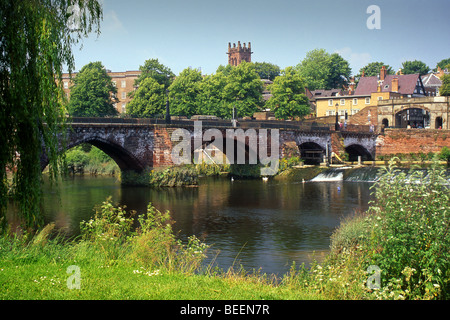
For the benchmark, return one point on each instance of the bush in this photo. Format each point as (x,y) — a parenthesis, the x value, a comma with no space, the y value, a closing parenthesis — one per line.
(445,154)
(410,238)
(152,244)
(76,160)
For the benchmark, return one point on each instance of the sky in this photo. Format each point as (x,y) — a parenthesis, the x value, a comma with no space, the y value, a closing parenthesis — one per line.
(196,33)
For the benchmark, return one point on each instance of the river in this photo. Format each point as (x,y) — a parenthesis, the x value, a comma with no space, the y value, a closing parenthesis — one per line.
(261,225)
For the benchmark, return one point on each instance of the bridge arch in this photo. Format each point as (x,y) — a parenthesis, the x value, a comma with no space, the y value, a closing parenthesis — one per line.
(311,152)
(124,159)
(217,150)
(356,150)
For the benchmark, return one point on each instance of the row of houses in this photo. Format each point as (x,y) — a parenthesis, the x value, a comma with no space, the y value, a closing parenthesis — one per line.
(370,90)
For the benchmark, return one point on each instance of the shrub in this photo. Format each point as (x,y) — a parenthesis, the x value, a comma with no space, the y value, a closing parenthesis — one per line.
(76,160)
(152,244)
(445,154)
(410,233)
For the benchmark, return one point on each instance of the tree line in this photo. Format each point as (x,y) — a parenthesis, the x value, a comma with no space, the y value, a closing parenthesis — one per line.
(230,89)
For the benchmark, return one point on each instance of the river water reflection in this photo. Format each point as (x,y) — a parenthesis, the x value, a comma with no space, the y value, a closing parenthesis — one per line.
(258,224)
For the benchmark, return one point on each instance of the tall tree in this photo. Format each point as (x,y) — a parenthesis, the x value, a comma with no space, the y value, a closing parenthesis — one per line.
(416,66)
(210,100)
(267,70)
(315,69)
(156,70)
(373,69)
(36,41)
(340,72)
(288,99)
(184,93)
(148,100)
(243,90)
(322,70)
(93,93)
(444,90)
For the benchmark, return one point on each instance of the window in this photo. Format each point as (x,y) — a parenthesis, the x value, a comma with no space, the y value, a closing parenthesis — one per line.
(124,95)
(66,85)
(330,102)
(355,111)
(342,102)
(380,98)
(124,107)
(355,102)
(124,84)
(114,83)
(367,100)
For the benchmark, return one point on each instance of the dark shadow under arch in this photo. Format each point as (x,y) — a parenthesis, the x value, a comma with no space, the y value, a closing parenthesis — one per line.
(356,150)
(311,153)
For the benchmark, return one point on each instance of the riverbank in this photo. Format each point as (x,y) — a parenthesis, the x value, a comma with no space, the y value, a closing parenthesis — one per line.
(112,260)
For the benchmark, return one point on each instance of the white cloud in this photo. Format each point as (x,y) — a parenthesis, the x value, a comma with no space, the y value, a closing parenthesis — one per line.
(357,60)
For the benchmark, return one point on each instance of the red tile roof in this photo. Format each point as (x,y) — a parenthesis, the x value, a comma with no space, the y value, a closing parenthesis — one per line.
(406,84)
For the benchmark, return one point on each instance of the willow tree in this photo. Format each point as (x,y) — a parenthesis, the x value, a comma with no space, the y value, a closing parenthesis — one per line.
(36,41)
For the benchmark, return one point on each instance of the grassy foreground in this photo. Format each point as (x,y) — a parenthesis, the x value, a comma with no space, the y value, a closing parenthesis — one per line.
(398,249)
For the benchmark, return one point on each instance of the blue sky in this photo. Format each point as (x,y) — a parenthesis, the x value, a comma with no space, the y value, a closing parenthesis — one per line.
(195,33)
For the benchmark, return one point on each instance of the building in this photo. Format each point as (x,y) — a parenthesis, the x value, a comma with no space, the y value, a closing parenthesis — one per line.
(432,81)
(363,98)
(124,82)
(238,54)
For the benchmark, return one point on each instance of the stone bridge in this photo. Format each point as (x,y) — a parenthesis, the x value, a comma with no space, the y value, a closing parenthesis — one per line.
(137,144)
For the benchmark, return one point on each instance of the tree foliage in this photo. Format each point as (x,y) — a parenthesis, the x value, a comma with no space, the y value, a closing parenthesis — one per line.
(210,100)
(288,96)
(243,90)
(184,92)
(444,90)
(373,69)
(156,70)
(267,70)
(322,70)
(413,67)
(148,100)
(36,40)
(93,93)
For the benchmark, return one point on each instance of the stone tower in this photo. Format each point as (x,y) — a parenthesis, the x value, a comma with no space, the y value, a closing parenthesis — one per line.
(238,54)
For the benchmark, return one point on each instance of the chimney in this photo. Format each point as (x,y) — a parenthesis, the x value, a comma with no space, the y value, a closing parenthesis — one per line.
(383,73)
(395,84)
(351,87)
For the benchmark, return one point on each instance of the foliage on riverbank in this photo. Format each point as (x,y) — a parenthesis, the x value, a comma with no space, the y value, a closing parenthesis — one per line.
(404,235)
(87,159)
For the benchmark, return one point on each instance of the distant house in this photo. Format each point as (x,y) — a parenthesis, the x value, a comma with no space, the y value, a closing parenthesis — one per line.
(366,95)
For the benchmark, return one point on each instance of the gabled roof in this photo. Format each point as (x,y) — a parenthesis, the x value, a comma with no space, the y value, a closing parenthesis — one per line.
(406,84)
(431,80)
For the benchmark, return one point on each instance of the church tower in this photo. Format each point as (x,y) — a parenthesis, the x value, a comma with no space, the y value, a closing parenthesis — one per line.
(238,54)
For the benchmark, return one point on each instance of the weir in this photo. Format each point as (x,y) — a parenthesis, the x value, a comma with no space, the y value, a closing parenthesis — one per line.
(365,174)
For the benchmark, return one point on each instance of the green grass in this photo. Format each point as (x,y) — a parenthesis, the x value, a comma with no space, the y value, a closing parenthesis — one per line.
(47,280)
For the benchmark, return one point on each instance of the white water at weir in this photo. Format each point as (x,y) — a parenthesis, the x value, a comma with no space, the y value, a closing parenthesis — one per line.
(365,174)
(329,176)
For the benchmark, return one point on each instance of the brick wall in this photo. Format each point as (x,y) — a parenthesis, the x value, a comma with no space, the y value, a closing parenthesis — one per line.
(407,141)
(162,153)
